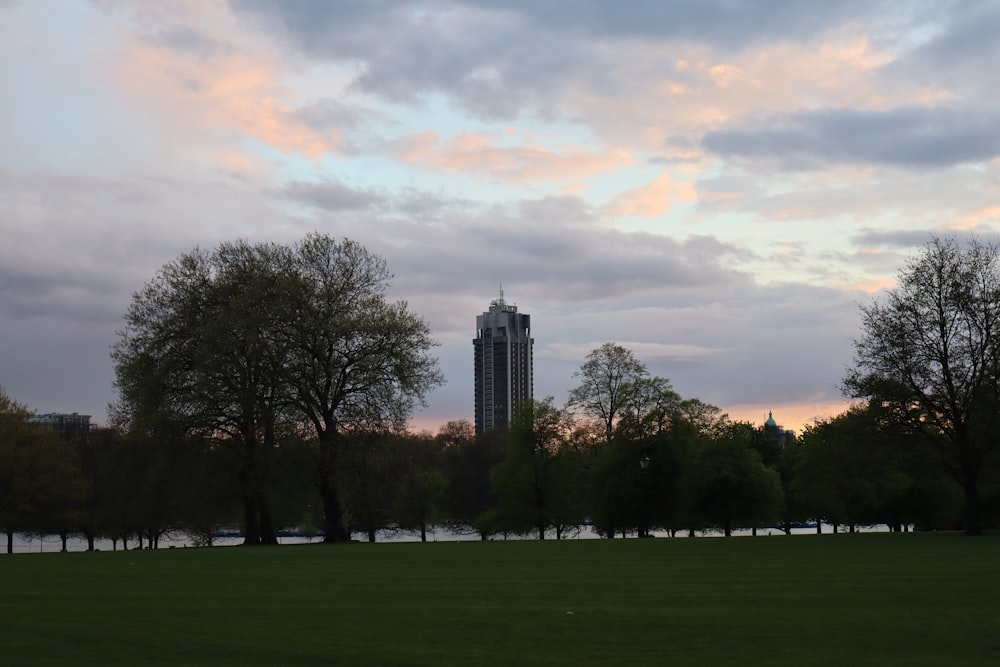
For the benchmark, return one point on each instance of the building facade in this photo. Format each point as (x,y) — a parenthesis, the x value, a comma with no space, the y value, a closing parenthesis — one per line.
(504,364)
(69,426)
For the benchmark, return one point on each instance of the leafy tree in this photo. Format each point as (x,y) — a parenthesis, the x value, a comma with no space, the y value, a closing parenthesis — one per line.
(247,343)
(455,434)
(203,353)
(371,474)
(652,407)
(470,459)
(794,510)
(532,481)
(635,484)
(839,470)
(729,485)
(423,485)
(359,362)
(709,420)
(929,351)
(41,489)
(857,468)
(609,384)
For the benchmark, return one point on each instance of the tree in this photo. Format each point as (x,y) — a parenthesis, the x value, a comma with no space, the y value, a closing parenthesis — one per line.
(729,485)
(423,486)
(371,474)
(470,459)
(635,482)
(358,362)
(608,384)
(248,343)
(652,407)
(41,488)
(841,469)
(532,481)
(929,352)
(204,353)
(858,468)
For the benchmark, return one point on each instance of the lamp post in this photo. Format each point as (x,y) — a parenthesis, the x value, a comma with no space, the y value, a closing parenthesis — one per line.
(644,496)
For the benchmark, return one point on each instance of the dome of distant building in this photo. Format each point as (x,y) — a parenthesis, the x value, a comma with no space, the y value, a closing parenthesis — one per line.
(770,420)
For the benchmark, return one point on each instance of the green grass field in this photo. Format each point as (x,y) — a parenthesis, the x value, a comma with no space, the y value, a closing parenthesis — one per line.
(873,599)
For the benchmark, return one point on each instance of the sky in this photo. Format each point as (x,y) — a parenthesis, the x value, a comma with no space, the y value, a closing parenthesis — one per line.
(716,186)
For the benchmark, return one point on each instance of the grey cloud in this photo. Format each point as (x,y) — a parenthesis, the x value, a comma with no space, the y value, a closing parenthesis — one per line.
(555,246)
(728,24)
(189,40)
(905,136)
(502,59)
(75,296)
(918,238)
(725,24)
(328,114)
(332,196)
(961,54)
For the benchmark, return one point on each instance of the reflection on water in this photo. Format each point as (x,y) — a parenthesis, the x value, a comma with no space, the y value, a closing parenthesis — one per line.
(53,543)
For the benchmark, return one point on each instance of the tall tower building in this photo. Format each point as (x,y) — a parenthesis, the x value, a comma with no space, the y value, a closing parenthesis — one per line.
(504,362)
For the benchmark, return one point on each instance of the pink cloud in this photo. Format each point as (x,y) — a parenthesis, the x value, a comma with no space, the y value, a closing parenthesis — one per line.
(481,154)
(232,90)
(655,198)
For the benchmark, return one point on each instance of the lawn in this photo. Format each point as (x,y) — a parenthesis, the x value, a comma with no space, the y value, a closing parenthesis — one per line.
(872,599)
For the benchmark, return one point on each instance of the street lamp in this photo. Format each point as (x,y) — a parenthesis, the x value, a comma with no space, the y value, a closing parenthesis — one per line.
(644,493)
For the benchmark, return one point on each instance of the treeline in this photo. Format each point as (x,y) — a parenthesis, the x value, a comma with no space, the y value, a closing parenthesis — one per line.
(269,386)
(680,465)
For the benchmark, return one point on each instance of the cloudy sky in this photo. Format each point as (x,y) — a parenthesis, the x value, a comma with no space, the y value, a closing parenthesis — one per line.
(714,185)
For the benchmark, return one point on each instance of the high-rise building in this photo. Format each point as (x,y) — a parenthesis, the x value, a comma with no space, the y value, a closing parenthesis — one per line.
(504,362)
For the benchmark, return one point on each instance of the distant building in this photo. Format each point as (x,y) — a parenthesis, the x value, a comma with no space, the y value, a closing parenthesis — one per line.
(504,363)
(779,434)
(69,426)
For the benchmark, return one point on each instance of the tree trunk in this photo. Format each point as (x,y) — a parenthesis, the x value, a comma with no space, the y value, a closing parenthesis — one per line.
(371,535)
(727,529)
(972,526)
(90,541)
(541,532)
(423,531)
(333,520)
(251,517)
(10,541)
(334,530)
(267,532)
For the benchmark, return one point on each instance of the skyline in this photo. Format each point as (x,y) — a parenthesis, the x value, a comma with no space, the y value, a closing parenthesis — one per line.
(716,187)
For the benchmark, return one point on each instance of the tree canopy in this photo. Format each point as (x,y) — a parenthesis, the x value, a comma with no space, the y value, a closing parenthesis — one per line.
(929,351)
(250,343)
